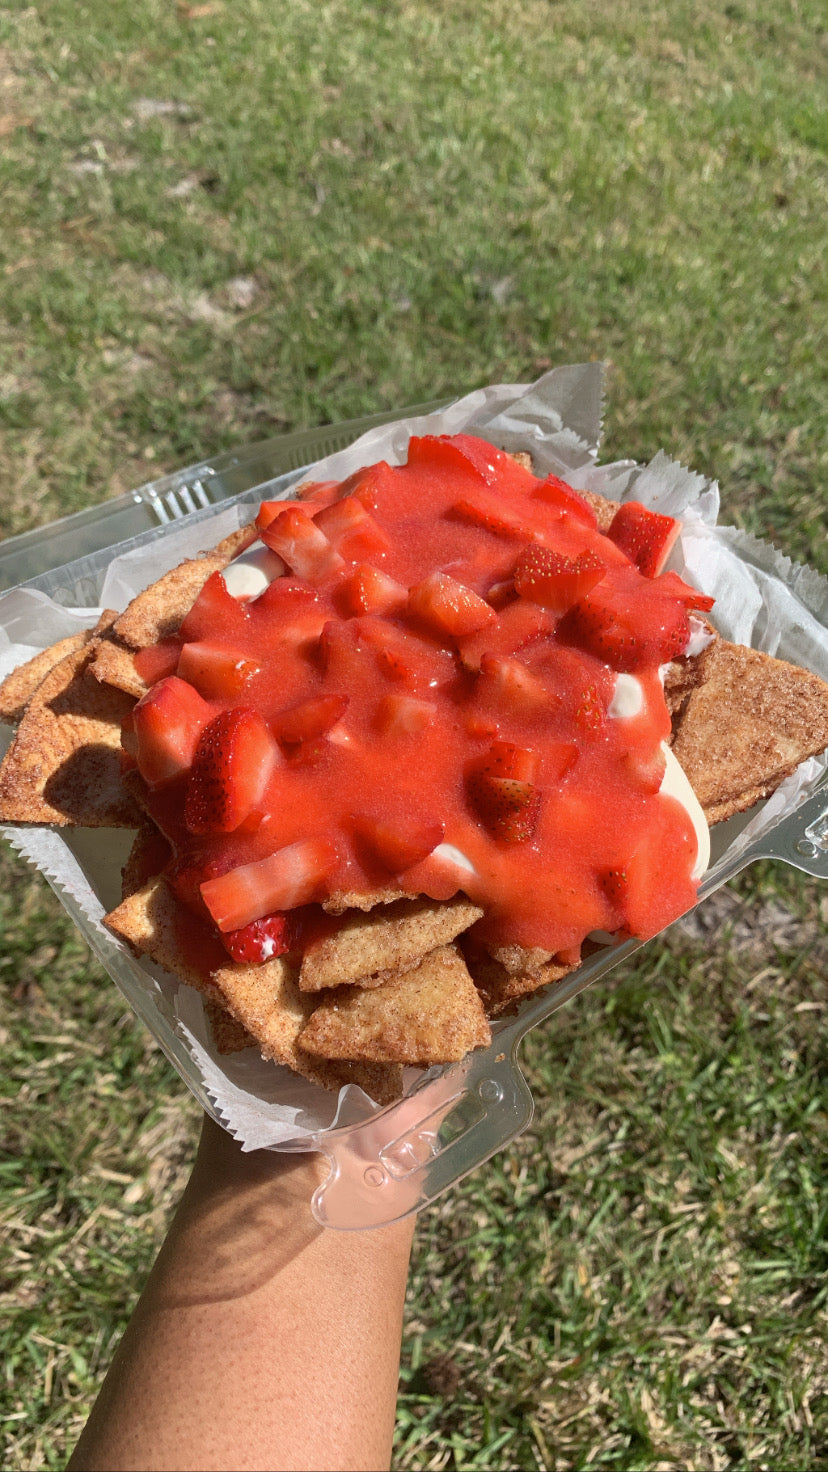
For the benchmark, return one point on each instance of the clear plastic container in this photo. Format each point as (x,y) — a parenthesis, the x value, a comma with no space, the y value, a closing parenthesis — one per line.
(451,1119)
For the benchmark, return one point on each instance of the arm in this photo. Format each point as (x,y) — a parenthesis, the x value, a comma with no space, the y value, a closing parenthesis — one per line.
(261,1340)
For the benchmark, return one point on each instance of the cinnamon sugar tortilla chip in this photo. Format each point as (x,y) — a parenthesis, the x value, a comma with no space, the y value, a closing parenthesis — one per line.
(158,611)
(367,948)
(346,899)
(264,1000)
(747,726)
(152,922)
(18,688)
(64,766)
(113,664)
(150,853)
(238,541)
(501,989)
(229,1035)
(430,1014)
(267,1001)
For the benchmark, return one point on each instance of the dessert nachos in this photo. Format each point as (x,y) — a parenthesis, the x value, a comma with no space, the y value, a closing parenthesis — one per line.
(403,751)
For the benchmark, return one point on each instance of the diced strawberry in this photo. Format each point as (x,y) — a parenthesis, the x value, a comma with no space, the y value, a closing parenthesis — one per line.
(624,631)
(590,714)
(507,807)
(459,452)
(645,536)
(404,657)
(448,607)
(505,759)
(297,613)
(560,756)
(214,608)
(369,483)
(517,625)
(507,684)
(555,581)
(158,660)
(290,877)
(556,492)
(261,940)
(166,726)
(480,508)
(301,544)
(352,529)
(316,493)
(368,590)
(216,671)
(185,877)
(646,768)
(397,846)
(233,764)
(675,587)
(310,718)
(403,715)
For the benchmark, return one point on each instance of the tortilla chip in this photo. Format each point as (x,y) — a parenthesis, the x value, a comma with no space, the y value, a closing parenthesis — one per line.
(152,922)
(229,1035)
(604,508)
(367,949)
(518,960)
(501,989)
(113,664)
(237,542)
(430,1014)
(267,1001)
(18,688)
(158,611)
(347,899)
(64,765)
(747,727)
(150,853)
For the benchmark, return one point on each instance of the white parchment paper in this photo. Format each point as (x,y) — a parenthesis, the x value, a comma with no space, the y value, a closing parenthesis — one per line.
(762,599)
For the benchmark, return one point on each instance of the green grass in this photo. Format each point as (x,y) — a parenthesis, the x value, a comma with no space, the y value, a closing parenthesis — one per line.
(339,209)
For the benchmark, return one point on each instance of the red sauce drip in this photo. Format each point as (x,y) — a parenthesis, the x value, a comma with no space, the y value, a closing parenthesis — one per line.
(422,708)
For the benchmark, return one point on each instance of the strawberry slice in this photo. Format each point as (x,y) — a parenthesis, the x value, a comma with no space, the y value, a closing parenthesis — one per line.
(404,715)
(214,608)
(290,877)
(556,492)
(310,718)
(164,729)
(518,624)
(234,761)
(261,940)
(301,544)
(645,536)
(396,846)
(352,529)
(368,590)
(448,607)
(482,509)
(508,808)
(507,684)
(216,671)
(555,581)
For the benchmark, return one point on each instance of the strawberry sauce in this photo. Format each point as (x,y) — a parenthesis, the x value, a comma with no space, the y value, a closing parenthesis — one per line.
(428,690)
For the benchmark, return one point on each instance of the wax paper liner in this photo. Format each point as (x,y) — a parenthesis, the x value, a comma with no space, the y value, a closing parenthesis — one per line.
(762,599)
